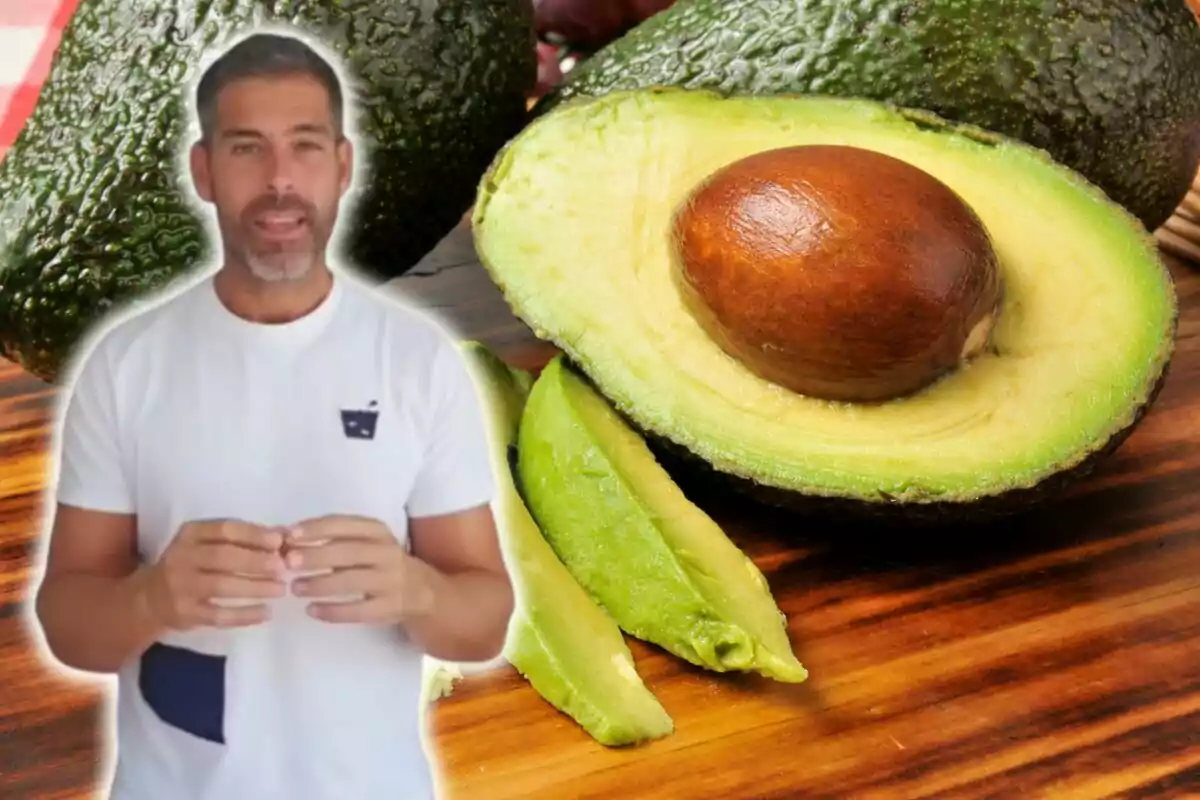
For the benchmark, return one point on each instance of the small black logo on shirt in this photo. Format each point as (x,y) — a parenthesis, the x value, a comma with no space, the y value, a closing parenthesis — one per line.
(360,423)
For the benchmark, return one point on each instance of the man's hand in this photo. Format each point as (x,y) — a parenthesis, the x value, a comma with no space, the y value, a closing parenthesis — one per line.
(366,559)
(211,561)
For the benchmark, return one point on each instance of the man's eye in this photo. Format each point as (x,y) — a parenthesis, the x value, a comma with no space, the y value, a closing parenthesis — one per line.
(244,147)
(308,146)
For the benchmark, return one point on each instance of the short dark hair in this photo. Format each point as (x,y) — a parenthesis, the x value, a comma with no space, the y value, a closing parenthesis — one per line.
(259,55)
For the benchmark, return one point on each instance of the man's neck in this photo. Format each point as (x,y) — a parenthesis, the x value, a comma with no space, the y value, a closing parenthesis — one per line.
(271,303)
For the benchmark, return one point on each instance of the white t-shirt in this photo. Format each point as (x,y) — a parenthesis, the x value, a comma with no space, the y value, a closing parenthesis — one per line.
(184,411)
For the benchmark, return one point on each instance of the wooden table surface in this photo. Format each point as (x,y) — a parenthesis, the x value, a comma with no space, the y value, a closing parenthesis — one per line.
(1055,655)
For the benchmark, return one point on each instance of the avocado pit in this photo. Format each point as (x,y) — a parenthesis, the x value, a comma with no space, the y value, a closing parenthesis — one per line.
(837,272)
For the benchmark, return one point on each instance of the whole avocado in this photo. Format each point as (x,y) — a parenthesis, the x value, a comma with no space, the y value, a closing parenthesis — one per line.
(1109,88)
(94,210)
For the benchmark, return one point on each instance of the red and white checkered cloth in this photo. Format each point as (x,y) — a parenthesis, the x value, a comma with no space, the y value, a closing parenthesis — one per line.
(29,34)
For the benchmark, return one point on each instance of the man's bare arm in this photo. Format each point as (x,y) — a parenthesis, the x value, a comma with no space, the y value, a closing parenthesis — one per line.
(99,607)
(89,604)
(458,559)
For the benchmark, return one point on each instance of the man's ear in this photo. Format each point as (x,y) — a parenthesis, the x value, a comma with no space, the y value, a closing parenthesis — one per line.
(345,156)
(201,174)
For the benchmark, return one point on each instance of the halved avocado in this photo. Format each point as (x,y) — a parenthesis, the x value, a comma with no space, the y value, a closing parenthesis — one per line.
(560,640)
(575,220)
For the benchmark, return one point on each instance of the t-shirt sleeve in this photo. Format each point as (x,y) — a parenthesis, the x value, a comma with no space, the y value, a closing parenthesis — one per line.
(91,466)
(456,469)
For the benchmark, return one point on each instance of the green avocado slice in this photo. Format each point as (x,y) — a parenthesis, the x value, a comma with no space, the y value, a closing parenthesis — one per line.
(560,640)
(658,563)
(573,224)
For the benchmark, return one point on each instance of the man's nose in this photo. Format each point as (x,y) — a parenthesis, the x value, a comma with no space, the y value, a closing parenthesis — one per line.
(279,171)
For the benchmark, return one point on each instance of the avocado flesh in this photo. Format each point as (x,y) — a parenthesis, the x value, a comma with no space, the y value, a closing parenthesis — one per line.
(95,205)
(572,225)
(560,640)
(1111,89)
(660,566)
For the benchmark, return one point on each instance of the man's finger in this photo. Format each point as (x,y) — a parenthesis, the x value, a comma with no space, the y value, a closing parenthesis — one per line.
(236,559)
(341,555)
(364,611)
(342,582)
(338,526)
(232,616)
(235,586)
(243,534)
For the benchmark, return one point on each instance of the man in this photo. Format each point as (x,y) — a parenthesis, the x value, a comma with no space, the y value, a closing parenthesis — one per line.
(274,487)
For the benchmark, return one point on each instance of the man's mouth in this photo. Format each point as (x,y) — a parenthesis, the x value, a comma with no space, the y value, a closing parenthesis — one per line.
(280,223)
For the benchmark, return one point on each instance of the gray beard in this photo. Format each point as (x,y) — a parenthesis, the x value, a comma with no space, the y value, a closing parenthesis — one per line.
(281,266)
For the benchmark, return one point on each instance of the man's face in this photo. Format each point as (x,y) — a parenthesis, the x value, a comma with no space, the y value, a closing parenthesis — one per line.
(276,171)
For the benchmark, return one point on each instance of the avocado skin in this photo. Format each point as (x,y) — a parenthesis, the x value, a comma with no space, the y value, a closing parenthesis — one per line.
(1110,89)
(95,209)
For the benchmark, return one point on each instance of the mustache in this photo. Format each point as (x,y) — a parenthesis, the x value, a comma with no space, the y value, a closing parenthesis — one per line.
(273,202)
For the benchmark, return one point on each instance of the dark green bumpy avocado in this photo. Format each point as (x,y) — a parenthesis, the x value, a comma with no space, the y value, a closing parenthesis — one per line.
(1110,89)
(93,210)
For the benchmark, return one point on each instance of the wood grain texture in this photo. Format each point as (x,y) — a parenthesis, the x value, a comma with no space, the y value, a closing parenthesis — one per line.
(1054,655)
(1180,235)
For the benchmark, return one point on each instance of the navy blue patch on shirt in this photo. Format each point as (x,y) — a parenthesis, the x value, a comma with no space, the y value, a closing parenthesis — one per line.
(360,423)
(186,689)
